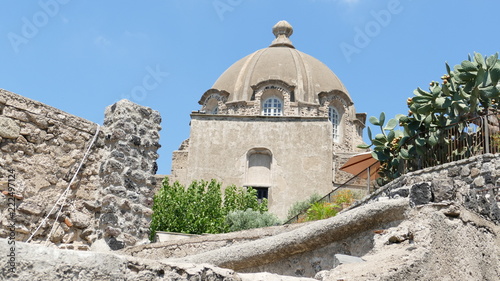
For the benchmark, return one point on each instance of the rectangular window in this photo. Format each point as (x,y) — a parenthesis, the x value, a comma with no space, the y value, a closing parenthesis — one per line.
(262,192)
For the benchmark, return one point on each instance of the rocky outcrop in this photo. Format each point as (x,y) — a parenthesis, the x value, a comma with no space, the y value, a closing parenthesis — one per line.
(433,241)
(36,263)
(204,243)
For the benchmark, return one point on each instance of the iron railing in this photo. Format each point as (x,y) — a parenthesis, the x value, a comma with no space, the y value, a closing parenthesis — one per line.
(471,137)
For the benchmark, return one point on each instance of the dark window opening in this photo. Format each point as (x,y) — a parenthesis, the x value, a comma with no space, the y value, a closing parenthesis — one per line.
(262,192)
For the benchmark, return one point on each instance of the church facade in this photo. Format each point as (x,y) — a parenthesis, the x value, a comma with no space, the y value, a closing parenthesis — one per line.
(277,120)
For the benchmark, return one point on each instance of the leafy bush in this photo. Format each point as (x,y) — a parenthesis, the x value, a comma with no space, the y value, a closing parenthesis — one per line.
(321,210)
(240,198)
(301,206)
(199,208)
(344,196)
(496,140)
(248,219)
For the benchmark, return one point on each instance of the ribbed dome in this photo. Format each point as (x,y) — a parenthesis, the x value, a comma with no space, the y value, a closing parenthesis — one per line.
(280,61)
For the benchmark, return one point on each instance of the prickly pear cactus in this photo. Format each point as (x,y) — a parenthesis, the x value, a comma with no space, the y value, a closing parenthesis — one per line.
(469,90)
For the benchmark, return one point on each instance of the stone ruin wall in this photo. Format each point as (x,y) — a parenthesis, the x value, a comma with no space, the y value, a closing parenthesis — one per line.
(111,197)
(473,183)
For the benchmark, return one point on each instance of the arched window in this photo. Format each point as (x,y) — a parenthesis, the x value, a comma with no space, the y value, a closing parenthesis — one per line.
(272,106)
(259,171)
(212,106)
(259,168)
(334,117)
(214,110)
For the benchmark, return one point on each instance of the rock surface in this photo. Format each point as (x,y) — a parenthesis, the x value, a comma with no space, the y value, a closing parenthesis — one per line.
(439,248)
(436,241)
(39,263)
(344,259)
(428,244)
(8,128)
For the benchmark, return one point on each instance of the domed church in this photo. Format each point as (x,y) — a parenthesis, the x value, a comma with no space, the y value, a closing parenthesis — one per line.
(277,120)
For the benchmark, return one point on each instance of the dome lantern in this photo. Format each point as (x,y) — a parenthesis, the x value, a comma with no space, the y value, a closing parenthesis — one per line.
(282,30)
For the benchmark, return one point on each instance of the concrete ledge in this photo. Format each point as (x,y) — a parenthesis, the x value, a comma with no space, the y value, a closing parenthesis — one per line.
(304,239)
(205,243)
(233,117)
(163,236)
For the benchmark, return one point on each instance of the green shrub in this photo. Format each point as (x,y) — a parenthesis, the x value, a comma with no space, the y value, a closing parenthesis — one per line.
(242,198)
(248,219)
(199,208)
(496,139)
(302,206)
(194,210)
(344,196)
(321,210)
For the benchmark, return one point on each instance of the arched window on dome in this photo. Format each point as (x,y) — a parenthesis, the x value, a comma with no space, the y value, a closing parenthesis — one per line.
(334,117)
(272,106)
(212,106)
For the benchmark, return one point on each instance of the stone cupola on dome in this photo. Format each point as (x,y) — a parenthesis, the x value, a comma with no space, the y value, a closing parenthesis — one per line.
(282,30)
(277,120)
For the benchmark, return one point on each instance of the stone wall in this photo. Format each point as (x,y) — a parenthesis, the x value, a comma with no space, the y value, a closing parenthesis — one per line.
(473,183)
(41,148)
(180,162)
(127,173)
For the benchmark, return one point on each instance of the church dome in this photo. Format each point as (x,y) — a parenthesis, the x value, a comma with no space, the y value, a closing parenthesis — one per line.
(279,62)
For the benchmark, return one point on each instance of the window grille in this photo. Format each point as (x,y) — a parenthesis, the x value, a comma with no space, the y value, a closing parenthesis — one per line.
(272,107)
(334,117)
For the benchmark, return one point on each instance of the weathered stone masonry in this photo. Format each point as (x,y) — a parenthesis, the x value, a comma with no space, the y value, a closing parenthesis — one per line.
(127,175)
(473,183)
(111,197)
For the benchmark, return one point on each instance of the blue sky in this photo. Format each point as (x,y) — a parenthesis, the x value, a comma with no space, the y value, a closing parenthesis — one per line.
(81,56)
